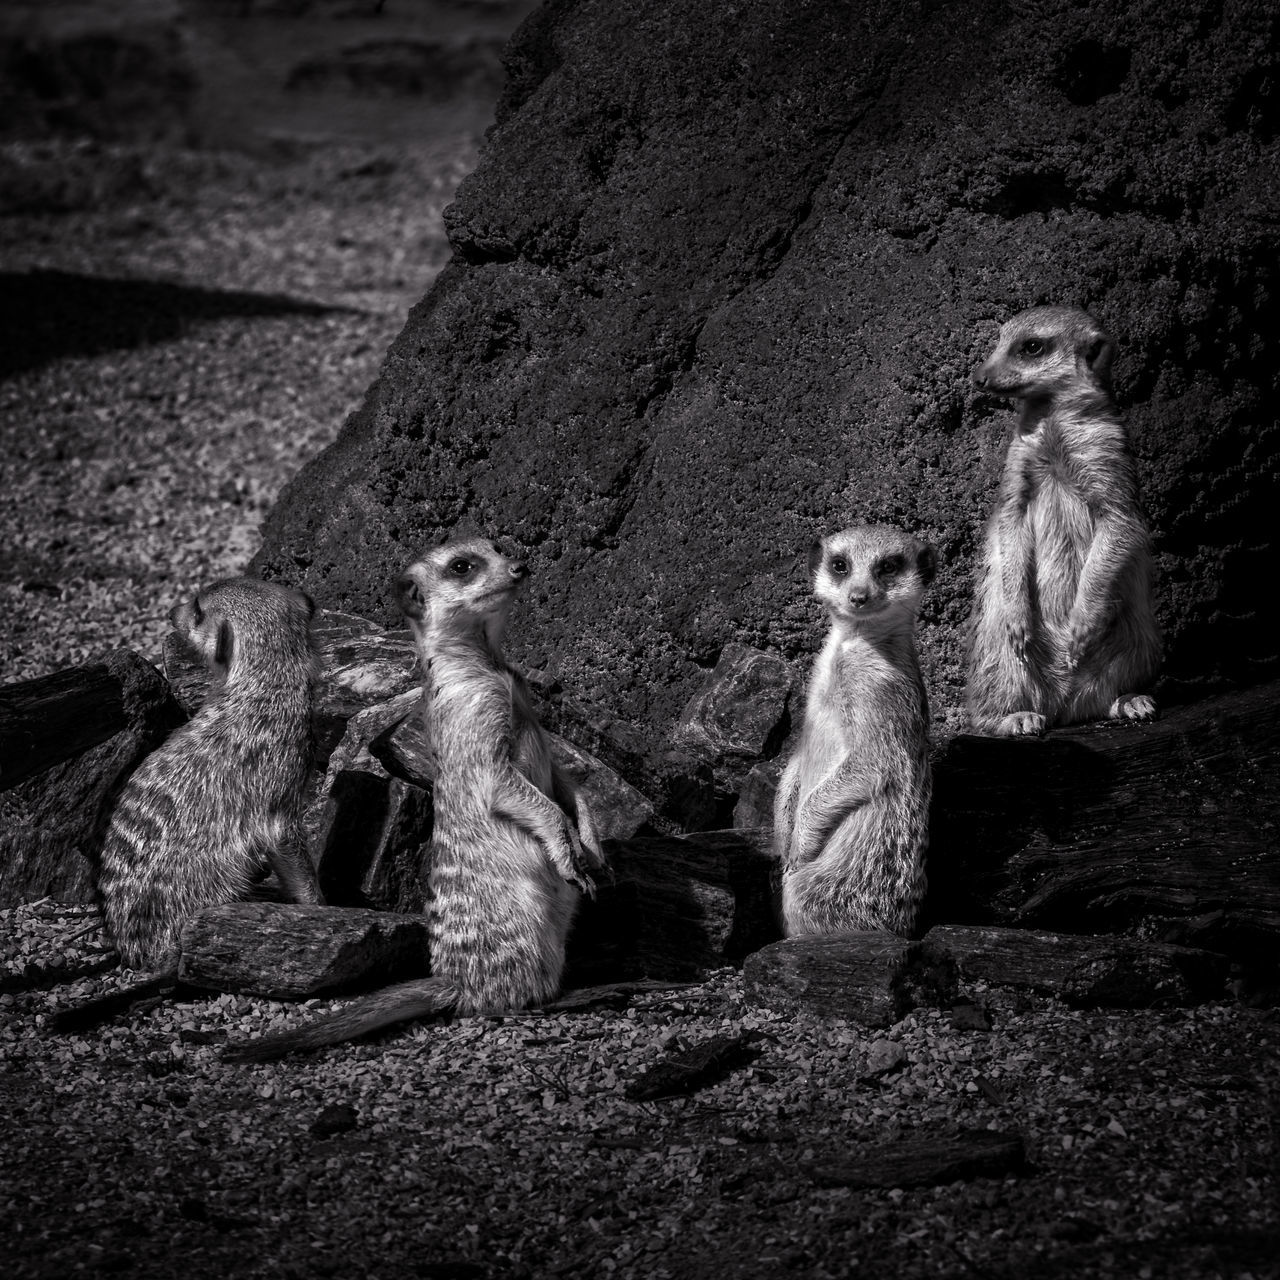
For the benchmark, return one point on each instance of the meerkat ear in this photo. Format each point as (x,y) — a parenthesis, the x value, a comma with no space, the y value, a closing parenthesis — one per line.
(311,604)
(1099,353)
(224,645)
(815,556)
(926,563)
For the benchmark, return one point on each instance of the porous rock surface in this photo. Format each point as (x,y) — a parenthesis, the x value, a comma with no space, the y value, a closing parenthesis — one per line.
(719,283)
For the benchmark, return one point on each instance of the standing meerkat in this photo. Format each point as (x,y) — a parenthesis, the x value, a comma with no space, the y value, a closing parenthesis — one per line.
(851,818)
(507,866)
(197,817)
(1063,626)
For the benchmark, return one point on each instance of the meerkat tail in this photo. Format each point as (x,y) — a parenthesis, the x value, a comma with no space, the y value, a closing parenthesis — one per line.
(83,1017)
(400,1003)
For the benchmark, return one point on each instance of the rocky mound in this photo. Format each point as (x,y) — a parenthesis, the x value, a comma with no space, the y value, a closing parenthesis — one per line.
(719,282)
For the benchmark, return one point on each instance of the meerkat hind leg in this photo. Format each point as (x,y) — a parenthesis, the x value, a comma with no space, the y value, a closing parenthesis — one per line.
(1133,706)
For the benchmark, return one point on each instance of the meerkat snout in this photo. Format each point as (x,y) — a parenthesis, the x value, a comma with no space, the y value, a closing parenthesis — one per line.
(409,597)
(519,570)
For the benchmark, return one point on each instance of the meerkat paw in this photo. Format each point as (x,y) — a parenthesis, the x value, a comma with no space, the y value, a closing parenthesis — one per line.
(1021,724)
(1080,639)
(1133,706)
(577,867)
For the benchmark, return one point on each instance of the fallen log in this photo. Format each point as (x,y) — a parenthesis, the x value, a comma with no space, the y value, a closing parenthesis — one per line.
(925,1161)
(69,742)
(675,908)
(1167,831)
(285,952)
(1085,971)
(871,977)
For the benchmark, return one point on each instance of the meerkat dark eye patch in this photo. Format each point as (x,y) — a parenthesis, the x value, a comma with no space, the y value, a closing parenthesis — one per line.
(459,568)
(889,567)
(838,565)
(1033,347)
(225,644)
(197,613)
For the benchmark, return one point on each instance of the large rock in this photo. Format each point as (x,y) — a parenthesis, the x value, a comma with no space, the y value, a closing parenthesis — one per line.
(719,282)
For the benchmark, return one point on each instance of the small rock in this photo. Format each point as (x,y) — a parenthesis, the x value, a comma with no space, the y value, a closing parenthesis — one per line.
(970,1017)
(738,708)
(337,1117)
(884,1056)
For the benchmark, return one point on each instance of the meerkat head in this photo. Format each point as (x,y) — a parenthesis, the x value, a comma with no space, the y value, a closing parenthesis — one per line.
(464,584)
(241,620)
(1045,352)
(872,576)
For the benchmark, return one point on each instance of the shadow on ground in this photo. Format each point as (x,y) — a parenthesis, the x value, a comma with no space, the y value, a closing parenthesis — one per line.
(46,315)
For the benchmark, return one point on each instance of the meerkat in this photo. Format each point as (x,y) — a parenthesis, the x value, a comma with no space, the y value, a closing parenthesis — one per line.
(507,866)
(1063,626)
(224,791)
(851,816)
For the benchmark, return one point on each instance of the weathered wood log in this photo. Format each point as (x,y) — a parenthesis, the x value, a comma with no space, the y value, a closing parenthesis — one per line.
(1169,830)
(1086,971)
(100,722)
(873,978)
(283,951)
(925,1161)
(60,716)
(675,909)
(368,830)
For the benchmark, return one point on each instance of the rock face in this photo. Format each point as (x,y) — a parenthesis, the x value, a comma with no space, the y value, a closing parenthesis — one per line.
(719,282)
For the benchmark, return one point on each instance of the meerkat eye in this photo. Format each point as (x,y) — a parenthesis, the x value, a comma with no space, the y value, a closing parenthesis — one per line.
(197,613)
(890,566)
(838,565)
(1032,347)
(460,567)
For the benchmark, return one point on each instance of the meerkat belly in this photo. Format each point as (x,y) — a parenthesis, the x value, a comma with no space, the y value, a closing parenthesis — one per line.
(1063,530)
(499,914)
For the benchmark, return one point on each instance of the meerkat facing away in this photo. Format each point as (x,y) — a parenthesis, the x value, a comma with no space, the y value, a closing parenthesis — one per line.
(507,865)
(852,809)
(1063,626)
(224,791)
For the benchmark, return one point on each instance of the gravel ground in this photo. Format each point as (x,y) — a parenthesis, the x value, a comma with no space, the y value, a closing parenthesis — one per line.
(506,1146)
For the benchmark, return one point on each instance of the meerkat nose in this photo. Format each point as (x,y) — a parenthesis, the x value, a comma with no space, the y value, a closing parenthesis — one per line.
(519,570)
(980,376)
(859,595)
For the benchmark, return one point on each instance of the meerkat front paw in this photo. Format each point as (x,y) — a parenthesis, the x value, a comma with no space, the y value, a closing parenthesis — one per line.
(1080,638)
(1021,724)
(575,868)
(1018,633)
(1133,706)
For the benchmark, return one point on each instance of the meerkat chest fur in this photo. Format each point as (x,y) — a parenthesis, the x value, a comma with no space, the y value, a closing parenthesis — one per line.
(1069,457)
(860,689)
